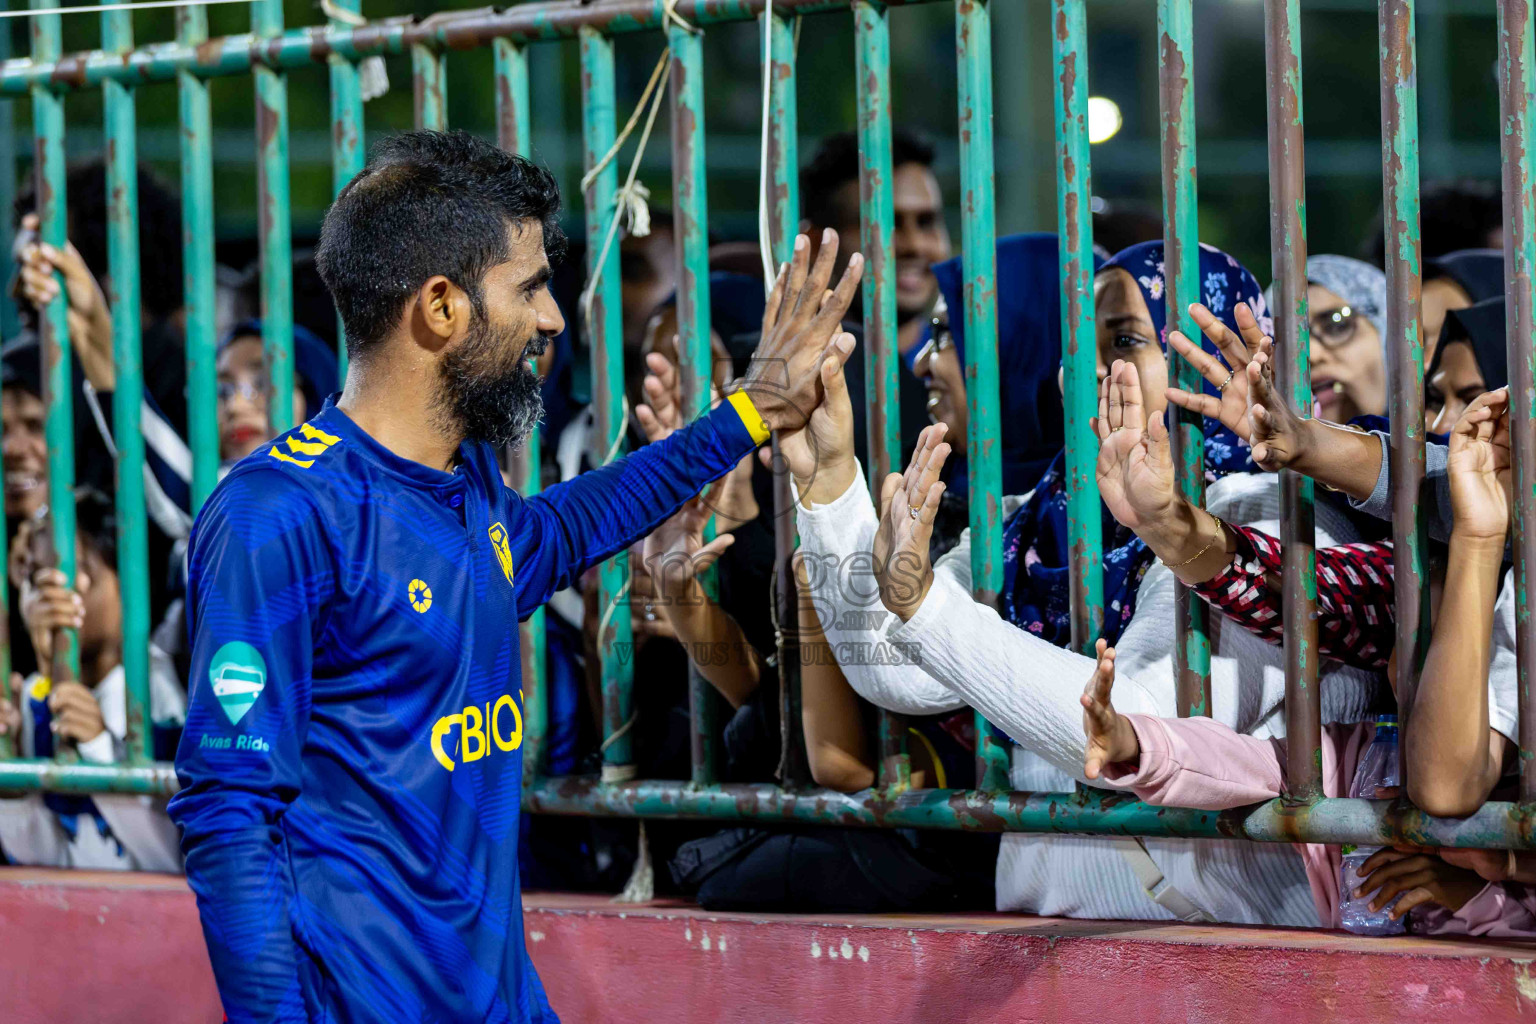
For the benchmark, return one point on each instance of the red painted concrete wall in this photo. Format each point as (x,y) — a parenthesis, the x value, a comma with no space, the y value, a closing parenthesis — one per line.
(683,966)
(86,948)
(103,948)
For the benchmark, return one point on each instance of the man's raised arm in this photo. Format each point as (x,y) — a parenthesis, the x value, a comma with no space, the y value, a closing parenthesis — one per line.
(583,521)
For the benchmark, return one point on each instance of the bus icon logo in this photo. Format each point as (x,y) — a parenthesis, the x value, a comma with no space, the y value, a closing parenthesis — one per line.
(238,675)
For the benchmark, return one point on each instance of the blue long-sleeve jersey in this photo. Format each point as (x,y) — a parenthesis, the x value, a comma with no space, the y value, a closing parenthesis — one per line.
(351,763)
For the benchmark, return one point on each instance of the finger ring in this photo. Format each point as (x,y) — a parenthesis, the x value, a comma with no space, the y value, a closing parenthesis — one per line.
(1223,385)
(650,612)
(913,510)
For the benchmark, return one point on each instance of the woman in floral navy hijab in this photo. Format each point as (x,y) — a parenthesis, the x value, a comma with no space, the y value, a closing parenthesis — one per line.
(1131,324)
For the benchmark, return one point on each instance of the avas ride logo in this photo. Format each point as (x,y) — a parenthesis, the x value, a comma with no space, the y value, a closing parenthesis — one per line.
(238,675)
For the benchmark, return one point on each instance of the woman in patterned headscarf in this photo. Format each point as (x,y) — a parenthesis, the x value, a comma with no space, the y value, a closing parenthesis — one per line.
(1131,325)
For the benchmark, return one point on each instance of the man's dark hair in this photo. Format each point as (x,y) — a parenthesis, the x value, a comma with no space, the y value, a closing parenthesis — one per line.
(428,203)
(836,163)
(1453,215)
(86,200)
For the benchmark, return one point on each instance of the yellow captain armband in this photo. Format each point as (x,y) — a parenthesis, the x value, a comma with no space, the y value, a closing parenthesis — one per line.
(750,417)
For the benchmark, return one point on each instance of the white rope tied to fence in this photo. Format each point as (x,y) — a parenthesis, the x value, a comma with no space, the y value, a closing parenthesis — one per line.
(372,75)
(764,220)
(630,200)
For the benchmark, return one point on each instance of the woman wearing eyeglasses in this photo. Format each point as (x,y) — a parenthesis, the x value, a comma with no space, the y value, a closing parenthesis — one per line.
(1346,303)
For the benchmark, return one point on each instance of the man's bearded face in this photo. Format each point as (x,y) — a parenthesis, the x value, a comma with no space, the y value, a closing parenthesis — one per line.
(486,385)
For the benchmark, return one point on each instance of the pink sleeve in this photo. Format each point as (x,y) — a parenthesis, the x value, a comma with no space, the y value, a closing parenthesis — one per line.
(1200,763)
(1501,910)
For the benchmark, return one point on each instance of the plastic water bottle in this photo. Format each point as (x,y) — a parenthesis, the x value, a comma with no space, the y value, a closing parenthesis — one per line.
(1379,768)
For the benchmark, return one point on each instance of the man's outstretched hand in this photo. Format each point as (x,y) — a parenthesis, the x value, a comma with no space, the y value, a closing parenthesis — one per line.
(800,326)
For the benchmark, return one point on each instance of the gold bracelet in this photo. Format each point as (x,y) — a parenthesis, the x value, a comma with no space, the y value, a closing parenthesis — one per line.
(1221,534)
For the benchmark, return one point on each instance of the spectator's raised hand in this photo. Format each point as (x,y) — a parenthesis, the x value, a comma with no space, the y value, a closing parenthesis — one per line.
(820,454)
(908,504)
(1418,878)
(1278,436)
(1135,466)
(1111,740)
(802,327)
(1231,405)
(90,318)
(662,411)
(1478,468)
(675,552)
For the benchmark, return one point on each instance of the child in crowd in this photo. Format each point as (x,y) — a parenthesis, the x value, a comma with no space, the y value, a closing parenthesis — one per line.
(109,831)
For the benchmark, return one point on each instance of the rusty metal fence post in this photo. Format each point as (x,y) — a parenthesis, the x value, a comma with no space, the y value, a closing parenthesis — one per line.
(1516,54)
(1288,260)
(1405,347)
(1181,259)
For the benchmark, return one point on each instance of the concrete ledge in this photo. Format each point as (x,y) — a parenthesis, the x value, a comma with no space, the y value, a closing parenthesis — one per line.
(102,947)
(107,948)
(603,962)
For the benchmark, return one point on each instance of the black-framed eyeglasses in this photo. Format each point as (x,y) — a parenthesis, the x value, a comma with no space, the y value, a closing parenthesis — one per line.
(1335,327)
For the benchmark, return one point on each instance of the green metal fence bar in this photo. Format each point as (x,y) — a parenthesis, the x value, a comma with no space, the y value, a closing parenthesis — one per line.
(272,207)
(347,150)
(429,87)
(872,75)
(514,123)
(9,323)
(1516,56)
(1405,347)
(514,107)
(605,331)
(1086,812)
(978,249)
(783,133)
(1079,346)
(128,393)
(877,217)
(195,116)
(48,168)
(783,223)
(240,53)
(303,47)
(1181,263)
(690,212)
(1288,249)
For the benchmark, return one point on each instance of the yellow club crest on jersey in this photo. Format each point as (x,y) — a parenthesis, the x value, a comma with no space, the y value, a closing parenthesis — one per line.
(420,595)
(503,552)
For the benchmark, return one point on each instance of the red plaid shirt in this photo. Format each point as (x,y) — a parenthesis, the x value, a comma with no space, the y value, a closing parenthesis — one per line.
(1355,600)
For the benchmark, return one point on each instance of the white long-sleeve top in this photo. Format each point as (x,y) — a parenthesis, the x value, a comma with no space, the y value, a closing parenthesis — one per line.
(956,652)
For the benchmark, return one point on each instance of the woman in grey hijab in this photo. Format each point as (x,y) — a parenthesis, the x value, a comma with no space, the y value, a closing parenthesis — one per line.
(1346,304)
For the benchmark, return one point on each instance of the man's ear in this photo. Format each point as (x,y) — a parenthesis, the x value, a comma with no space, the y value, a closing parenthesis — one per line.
(442,308)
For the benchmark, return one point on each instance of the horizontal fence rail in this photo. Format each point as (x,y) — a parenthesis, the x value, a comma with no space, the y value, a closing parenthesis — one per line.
(269,50)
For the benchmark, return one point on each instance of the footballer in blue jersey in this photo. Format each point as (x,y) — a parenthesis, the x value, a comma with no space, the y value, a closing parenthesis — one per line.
(351,766)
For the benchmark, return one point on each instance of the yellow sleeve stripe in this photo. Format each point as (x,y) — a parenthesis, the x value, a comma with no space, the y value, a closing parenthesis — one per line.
(285,457)
(315,434)
(750,417)
(306,447)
